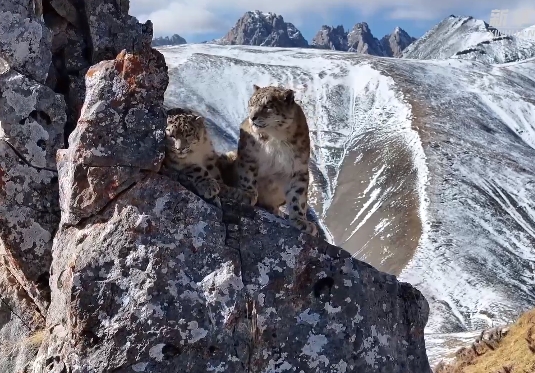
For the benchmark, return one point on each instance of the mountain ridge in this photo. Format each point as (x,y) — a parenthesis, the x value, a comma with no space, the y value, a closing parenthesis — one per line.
(259,28)
(175,39)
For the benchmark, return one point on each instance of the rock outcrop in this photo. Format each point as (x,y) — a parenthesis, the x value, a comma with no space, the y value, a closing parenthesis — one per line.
(173,40)
(21,325)
(263,29)
(45,50)
(161,281)
(32,120)
(143,275)
(34,117)
(26,41)
(124,95)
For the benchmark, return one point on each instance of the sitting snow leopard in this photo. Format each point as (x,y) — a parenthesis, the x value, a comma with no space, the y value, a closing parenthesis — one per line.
(189,150)
(273,155)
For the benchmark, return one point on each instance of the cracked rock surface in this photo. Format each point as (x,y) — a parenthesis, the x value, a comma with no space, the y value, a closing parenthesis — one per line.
(21,325)
(162,281)
(32,118)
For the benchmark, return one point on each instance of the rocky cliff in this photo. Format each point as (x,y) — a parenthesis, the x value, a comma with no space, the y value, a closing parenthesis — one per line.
(263,29)
(109,266)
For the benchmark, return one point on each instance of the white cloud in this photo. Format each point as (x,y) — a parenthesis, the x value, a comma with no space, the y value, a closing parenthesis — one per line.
(183,18)
(187,17)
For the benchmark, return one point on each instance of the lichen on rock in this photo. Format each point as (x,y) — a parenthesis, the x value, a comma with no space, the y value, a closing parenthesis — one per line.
(125,98)
(32,118)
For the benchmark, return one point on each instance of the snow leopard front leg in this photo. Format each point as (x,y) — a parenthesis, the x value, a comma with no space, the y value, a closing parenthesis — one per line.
(226,191)
(247,168)
(297,199)
(201,180)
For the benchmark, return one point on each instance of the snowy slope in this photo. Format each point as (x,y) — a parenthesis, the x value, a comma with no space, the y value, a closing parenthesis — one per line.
(471,39)
(452,35)
(422,168)
(501,49)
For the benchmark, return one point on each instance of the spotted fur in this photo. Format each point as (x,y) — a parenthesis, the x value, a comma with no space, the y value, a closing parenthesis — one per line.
(190,151)
(273,155)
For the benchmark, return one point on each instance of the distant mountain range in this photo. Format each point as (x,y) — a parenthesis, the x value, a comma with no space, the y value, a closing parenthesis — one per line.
(270,30)
(361,40)
(173,40)
(454,37)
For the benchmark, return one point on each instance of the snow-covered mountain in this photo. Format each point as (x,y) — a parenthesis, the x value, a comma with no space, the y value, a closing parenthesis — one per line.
(452,35)
(424,169)
(361,40)
(263,29)
(471,39)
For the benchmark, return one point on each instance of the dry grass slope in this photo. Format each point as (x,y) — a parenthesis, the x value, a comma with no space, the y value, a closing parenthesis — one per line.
(499,351)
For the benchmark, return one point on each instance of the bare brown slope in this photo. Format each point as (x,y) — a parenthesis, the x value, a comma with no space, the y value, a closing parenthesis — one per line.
(396,204)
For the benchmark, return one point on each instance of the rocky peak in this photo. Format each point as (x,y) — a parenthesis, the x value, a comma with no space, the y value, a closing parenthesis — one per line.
(263,29)
(361,40)
(173,40)
(394,43)
(328,37)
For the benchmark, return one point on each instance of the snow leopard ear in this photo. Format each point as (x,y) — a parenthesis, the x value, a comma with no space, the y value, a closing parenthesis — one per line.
(289,96)
(255,87)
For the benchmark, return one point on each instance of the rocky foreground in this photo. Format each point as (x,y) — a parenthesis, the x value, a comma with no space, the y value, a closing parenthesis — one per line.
(108,266)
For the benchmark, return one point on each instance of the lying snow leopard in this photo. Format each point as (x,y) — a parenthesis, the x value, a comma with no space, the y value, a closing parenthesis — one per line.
(189,150)
(273,155)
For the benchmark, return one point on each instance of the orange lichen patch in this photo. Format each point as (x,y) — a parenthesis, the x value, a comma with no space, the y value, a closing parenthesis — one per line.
(92,71)
(129,67)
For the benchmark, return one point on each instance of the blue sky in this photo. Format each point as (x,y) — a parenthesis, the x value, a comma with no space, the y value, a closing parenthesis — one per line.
(200,20)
